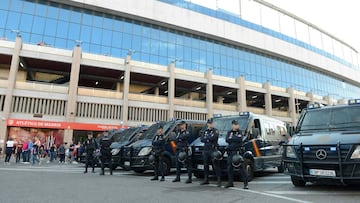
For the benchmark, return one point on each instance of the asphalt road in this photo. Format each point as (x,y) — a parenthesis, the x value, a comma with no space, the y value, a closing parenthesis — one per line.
(67,183)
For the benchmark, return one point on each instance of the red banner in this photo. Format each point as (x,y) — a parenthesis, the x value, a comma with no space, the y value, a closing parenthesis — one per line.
(60,125)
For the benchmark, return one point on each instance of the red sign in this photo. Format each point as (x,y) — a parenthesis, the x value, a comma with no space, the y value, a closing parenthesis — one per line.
(60,125)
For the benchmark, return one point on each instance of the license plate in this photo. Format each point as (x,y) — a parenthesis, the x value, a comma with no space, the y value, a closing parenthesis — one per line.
(201,167)
(320,172)
(127,163)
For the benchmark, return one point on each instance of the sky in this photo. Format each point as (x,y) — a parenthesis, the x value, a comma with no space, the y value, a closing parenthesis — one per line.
(338,17)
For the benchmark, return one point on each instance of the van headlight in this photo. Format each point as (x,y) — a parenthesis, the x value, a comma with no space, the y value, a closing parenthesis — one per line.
(290,152)
(356,153)
(115,151)
(145,151)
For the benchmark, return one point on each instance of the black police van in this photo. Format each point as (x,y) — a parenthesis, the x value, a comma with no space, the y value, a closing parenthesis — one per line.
(325,146)
(137,154)
(124,138)
(263,141)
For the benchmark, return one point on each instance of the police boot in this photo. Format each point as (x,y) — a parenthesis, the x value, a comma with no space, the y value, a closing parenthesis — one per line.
(155,178)
(189,180)
(102,173)
(229,184)
(162,179)
(93,170)
(85,171)
(177,179)
(218,182)
(205,182)
(111,172)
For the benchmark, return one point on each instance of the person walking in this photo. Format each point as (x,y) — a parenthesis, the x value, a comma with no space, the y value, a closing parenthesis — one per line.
(90,148)
(9,150)
(25,150)
(34,154)
(61,152)
(18,152)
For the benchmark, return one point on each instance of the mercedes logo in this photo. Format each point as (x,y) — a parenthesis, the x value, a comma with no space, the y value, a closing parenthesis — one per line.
(321,154)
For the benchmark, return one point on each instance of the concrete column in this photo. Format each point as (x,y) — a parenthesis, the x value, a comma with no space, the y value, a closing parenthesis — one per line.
(125,108)
(311,97)
(15,60)
(209,93)
(342,101)
(157,91)
(268,100)
(328,100)
(73,92)
(293,110)
(241,94)
(171,90)
(220,99)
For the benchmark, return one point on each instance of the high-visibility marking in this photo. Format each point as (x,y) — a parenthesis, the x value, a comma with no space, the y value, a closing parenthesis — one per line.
(173,146)
(256,148)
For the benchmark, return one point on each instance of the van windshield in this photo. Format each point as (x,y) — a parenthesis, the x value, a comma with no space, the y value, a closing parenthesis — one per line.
(339,118)
(224,124)
(124,135)
(151,132)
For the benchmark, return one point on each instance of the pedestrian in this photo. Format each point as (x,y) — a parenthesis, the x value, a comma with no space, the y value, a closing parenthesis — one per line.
(158,148)
(105,153)
(18,152)
(30,146)
(34,154)
(210,139)
(90,148)
(52,152)
(25,150)
(9,150)
(182,153)
(61,152)
(71,152)
(234,138)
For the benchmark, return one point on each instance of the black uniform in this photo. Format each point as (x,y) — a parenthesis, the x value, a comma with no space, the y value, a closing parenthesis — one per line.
(158,147)
(210,140)
(235,140)
(105,153)
(90,147)
(181,140)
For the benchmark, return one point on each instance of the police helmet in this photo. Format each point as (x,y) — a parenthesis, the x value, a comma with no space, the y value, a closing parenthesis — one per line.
(182,157)
(217,155)
(237,160)
(151,159)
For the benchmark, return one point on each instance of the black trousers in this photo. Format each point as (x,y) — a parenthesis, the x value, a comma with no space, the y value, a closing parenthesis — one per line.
(89,159)
(8,154)
(106,159)
(159,164)
(230,169)
(187,163)
(207,158)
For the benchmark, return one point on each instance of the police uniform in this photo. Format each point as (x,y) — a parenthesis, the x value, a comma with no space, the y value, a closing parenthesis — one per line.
(158,147)
(90,147)
(210,139)
(181,140)
(105,154)
(235,141)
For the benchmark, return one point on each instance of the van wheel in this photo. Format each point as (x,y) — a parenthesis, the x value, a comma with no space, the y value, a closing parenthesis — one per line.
(139,170)
(198,174)
(249,167)
(167,166)
(297,182)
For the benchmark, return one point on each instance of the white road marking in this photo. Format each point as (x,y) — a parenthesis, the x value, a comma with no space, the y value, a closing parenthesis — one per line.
(270,182)
(271,195)
(311,193)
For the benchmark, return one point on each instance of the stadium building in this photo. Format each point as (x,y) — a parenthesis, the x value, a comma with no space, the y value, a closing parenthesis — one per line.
(68,66)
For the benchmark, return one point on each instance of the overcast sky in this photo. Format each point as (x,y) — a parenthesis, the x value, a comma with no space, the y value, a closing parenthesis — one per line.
(338,17)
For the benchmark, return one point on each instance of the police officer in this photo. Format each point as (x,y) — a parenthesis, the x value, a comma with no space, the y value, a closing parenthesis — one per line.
(181,140)
(105,152)
(158,147)
(210,139)
(235,140)
(90,147)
